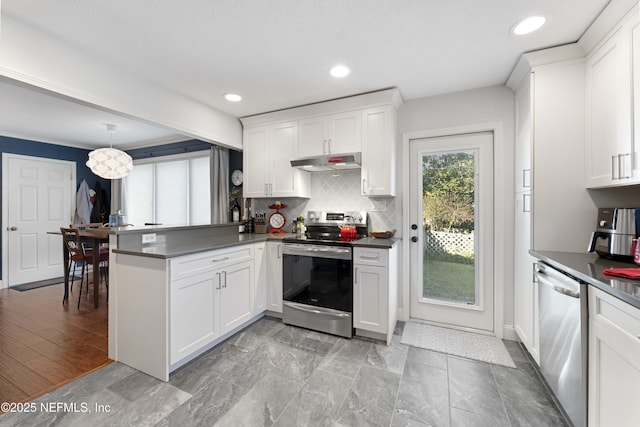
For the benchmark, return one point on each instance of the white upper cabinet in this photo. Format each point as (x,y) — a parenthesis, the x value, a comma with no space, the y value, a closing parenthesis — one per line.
(363,123)
(379,152)
(524,133)
(608,134)
(332,134)
(267,154)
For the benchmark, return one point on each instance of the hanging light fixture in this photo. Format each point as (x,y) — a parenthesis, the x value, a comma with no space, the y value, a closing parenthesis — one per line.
(110,163)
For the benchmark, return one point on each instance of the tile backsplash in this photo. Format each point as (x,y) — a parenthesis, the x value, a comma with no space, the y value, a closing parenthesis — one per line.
(339,191)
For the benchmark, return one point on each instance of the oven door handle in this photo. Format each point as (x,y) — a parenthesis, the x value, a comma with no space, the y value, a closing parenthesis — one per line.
(317,310)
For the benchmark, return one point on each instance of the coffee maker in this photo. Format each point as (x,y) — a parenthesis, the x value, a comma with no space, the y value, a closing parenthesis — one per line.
(615,230)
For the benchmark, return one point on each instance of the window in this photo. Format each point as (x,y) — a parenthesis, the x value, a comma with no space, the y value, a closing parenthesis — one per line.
(172,190)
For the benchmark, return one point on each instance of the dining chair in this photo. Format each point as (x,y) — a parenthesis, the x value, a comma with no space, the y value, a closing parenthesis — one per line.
(78,253)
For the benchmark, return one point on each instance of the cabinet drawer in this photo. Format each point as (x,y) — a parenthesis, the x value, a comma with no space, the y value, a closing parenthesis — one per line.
(368,256)
(190,265)
(604,308)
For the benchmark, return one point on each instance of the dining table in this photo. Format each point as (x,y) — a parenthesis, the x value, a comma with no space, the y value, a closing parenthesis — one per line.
(94,236)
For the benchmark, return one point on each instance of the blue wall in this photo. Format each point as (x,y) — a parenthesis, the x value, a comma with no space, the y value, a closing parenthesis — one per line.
(80,156)
(51,151)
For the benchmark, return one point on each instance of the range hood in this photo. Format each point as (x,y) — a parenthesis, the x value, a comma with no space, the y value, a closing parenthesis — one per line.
(329,162)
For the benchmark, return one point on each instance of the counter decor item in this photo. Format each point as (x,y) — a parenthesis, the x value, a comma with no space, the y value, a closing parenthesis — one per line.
(383,234)
(260,223)
(276,219)
(629,273)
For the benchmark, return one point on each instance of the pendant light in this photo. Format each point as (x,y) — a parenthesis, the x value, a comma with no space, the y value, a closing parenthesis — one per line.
(110,163)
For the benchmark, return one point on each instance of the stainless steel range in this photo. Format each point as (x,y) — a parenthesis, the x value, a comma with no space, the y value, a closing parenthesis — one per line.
(318,272)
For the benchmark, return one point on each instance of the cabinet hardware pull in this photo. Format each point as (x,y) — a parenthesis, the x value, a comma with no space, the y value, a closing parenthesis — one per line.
(219,260)
(355,274)
(526,203)
(218,275)
(329,146)
(279,251)
(375,257)
(266,189)
(620,171)
(225,279)
(526,178)
(324,146)
(364,186)
(627,165)
(613,167)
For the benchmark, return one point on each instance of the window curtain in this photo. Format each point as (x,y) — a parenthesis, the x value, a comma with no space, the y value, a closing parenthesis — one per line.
(219,185)
(117,196)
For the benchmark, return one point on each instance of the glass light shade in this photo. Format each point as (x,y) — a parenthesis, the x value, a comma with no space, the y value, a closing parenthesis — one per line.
(110,163)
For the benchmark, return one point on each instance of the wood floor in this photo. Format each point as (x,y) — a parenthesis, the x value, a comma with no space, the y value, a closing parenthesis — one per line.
(44,344)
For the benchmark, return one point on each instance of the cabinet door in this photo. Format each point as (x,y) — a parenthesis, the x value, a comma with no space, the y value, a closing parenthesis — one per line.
(255,160)
(260,283)
(313,137)
(614,377)
(635,42)
(525,290)
(524,133)
(274,282)
(614,361)
(608,113)
(371,298)
(283,148)
(236,283)
(194,314)
(378,152)
(345,133)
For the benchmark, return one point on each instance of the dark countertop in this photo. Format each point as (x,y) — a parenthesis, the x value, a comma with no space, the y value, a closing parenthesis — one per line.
(588,268)
(170,249)
(373,242)
(174,249)
(133,229)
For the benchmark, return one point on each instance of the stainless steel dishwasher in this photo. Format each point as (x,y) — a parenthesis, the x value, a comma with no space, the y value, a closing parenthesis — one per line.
(563,336)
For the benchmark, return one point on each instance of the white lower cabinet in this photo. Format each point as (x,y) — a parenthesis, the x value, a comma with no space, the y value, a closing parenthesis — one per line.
(194,315)
(259,303)
(212,302)
(274,276)
(375,291)
(236,291)
(614,361)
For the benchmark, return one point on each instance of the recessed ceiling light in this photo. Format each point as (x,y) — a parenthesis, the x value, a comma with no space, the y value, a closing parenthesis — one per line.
(339,71)
(232,97)
(529,25)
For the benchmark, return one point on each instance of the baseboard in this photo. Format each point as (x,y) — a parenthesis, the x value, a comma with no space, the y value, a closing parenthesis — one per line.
(509,333)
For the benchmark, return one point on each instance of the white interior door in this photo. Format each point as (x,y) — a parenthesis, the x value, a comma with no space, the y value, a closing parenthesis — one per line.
(38,198)
(451,214)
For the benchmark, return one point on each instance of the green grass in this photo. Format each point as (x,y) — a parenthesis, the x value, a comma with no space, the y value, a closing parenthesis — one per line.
(449,281)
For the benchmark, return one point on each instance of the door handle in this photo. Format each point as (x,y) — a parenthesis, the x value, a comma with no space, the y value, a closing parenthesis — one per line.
(14,228)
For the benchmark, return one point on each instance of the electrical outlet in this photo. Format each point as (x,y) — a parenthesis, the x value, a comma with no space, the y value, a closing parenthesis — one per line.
(149,238)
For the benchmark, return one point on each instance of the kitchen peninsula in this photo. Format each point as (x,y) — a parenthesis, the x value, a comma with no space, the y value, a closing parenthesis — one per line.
(177,292)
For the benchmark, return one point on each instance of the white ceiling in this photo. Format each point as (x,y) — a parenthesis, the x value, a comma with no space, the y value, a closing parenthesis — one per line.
(277,53)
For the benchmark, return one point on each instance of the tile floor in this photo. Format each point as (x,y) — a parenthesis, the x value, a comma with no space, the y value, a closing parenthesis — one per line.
(273,374)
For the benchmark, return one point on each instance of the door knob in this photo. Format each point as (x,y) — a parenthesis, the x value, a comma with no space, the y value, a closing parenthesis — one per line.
(414,226)
(414,239)
(14,228)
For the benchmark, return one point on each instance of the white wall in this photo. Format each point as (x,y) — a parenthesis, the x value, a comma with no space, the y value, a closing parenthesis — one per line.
(32,57)
(469,109)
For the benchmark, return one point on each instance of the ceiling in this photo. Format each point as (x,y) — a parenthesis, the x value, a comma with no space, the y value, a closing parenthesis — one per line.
(277,54)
